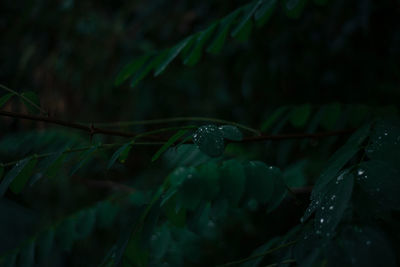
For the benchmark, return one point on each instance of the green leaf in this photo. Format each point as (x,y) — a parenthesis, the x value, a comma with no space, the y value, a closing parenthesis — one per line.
(233,181)
(171,55)
(333,204)
(130,69)
(20,181)
(246,18)
(147,67)
(160,242)
(27,255)
(224,26)
(33,98)
(210,176)
(20,172)
(264,12)
(135,254)
(334,166)
(260,181)
(121,154)
(85,223)
(331,115)
(65,233)
(299,115)
(340,159)
(273,117)
(294,174)
(185,155)
(84,158)
(190,192)
(210,140)
(385,142)
(169,143)
(175,213)
(44,245)
(380,180)
(5,98)
(231,132)
(362,246)
(54,165)
(105,214)
(195,54)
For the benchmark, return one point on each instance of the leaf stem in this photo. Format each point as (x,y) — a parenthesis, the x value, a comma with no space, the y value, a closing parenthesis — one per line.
(24,98)
(178,119)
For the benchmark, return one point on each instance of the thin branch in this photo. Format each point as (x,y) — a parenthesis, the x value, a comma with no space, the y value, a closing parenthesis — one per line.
(24,98)
(94,130)
(90,129)
(177,119)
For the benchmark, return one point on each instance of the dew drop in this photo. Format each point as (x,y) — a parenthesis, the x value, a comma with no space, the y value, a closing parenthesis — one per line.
(360,172)
(331,208)
(333,197)
(322,208)
(322,220)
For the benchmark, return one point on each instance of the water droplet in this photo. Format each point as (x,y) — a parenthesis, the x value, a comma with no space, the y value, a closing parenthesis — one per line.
(301,219)
(333,197)
(360,172)
(368,242)
(322,208)
(340,178)
(331,208)
(322,220)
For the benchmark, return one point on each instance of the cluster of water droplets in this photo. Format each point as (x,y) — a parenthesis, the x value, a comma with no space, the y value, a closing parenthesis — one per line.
(311,208)
(361,175)
(324,216)
(209,139)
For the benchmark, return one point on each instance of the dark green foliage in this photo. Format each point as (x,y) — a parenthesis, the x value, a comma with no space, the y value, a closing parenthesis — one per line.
(317,184)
